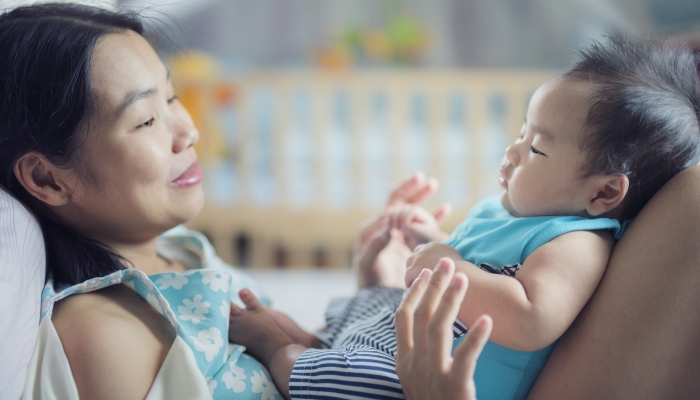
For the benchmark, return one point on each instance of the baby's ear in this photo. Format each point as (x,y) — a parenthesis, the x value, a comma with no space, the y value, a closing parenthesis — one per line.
(610,191)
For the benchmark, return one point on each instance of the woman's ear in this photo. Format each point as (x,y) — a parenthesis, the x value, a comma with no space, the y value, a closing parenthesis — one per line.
(42,179)
(611,190)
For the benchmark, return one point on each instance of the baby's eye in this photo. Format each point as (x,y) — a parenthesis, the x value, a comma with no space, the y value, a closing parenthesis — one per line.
(172,99)
(534,150)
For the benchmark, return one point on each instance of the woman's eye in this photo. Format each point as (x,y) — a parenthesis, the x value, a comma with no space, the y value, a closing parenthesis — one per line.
(146,124)
(534,150)
(170,100)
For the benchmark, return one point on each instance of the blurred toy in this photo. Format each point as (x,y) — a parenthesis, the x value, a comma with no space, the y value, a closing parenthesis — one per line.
(403,41)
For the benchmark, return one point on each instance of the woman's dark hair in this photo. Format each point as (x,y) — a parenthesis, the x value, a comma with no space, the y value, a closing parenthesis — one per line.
(644,115)
(45,102)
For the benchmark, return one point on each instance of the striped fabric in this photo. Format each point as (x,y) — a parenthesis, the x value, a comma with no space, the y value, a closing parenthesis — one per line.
(358,358)
(22,273)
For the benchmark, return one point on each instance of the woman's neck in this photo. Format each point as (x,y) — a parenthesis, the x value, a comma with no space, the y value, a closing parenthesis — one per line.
(143,256)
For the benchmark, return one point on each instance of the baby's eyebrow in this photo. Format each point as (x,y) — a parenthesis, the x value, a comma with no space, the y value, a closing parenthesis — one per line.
(542,131)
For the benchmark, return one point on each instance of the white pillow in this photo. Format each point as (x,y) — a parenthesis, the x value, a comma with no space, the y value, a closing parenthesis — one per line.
(22,274)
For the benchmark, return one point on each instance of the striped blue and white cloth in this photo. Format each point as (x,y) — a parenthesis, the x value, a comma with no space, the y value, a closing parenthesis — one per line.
(358,355)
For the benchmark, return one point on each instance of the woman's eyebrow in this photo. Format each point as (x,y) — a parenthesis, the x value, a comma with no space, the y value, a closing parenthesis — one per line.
(136,95)
(133,97)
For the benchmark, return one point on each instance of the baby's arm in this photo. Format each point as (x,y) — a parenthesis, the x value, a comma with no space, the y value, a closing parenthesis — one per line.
(255,329)
(533,309)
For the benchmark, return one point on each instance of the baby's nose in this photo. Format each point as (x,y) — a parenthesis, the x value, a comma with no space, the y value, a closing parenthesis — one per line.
(511,156)
(504,162)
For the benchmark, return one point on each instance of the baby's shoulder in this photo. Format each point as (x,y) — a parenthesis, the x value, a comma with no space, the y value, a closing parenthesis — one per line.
(582,245)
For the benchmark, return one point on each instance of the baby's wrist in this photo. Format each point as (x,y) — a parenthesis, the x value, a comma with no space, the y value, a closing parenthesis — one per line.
(282,352)
(274,345)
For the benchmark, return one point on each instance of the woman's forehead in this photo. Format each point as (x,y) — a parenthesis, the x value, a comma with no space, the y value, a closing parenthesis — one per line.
(123,64)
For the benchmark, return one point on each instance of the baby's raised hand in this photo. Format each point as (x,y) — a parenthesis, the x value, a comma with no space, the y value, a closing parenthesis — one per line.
(253,328)
(418,225)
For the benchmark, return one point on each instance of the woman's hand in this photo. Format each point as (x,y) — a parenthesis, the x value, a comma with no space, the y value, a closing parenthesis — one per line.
(380,253)
(424,321)
(418,225)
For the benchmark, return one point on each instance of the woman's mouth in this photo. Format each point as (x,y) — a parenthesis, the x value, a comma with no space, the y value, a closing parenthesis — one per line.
(191,177)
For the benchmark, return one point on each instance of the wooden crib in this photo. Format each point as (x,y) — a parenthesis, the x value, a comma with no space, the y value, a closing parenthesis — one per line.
(295,160)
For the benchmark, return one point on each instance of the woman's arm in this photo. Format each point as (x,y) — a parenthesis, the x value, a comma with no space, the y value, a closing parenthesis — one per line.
(115,342)
(637,338)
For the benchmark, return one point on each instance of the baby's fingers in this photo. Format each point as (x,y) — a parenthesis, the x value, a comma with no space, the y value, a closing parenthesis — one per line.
(442,212)
(251,302)
(235,310)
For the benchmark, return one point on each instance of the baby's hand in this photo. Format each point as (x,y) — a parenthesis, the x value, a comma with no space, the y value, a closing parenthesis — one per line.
(253,328)
(294,331)
(428,256)
(417,224)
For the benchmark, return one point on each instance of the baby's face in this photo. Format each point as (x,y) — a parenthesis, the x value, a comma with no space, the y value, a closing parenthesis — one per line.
(541,171)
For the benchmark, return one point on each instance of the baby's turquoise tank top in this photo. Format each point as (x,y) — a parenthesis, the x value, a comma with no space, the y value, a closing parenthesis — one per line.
(497,242)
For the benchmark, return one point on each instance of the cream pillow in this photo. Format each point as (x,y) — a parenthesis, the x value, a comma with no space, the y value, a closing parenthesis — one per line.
(22,274)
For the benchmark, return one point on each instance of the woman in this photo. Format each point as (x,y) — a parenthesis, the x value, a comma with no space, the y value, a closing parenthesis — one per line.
(95,141)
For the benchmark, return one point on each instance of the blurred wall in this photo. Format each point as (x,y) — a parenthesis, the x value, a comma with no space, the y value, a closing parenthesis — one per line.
(469,33)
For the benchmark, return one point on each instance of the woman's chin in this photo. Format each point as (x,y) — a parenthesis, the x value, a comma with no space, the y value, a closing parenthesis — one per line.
(188,208)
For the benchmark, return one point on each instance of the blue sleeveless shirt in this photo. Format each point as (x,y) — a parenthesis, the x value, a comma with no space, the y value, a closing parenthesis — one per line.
(497,242)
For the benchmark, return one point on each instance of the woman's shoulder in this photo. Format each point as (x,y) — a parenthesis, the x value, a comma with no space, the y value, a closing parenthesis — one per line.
(111,336)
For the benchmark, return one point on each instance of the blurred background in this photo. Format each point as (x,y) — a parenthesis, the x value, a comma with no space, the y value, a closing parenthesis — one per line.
(309,110)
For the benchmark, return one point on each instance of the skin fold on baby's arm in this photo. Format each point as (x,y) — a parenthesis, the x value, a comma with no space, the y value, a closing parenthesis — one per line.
(536,307)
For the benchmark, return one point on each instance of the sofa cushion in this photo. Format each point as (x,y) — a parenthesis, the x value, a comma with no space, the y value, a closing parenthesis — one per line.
(22,275)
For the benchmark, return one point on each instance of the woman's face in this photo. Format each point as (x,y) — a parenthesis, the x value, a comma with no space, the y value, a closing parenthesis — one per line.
(139,167)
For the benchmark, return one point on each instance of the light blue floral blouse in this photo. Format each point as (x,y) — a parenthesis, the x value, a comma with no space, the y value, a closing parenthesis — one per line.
(197,304)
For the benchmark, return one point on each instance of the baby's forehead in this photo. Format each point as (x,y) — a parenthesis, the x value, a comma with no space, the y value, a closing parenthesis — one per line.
(559,109)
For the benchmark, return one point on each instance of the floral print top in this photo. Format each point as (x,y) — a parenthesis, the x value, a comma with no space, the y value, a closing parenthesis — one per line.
(197,303)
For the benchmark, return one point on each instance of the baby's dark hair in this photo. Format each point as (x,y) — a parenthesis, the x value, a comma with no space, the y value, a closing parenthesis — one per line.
(644,116)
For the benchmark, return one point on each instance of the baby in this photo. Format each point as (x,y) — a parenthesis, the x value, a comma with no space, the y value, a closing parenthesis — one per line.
(596,144)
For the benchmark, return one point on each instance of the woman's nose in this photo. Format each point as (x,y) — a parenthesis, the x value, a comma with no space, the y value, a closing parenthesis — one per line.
(185,136)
